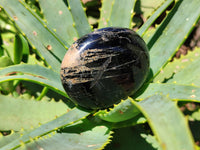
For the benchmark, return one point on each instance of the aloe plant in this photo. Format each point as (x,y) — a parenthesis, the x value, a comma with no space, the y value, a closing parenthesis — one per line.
(42,116)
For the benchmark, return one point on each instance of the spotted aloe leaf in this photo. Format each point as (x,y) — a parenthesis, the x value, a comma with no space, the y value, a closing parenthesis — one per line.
(54,11)
(117,13)
(34,73)
(105,13)
(37,32)
(81,23)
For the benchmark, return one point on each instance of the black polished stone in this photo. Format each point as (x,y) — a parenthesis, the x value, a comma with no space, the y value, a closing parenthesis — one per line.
(105,66)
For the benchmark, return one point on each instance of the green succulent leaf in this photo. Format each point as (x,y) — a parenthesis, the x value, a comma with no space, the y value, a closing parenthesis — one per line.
(123,111)
(34,73)
(153,17)
(189,66)
(54,12)
(177,65)
(52,127)
(112,10)
(171,129)
(28,114)
(148,7)
(94,138)
(81,23)
(172,32)
(122,9)
(105,13)
(38,33)
(177,92)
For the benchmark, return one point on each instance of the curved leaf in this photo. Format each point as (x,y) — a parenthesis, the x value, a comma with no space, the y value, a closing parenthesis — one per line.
(153,17)
(123,111)
(172,32)
(177,92)
(51,127)
(52,85)
(64,29)
(172,69)
(34,73)
(93,138)
(167,122)
(38,33)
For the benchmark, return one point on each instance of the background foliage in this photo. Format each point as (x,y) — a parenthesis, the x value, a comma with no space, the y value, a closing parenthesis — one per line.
(35,112)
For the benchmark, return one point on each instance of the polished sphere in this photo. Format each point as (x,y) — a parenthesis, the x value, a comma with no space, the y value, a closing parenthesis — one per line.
(105,66)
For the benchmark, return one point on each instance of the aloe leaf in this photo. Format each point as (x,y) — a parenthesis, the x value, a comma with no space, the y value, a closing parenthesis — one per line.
(27,114)
(177,65)
(177,29)
(148,7)
(122,13)
(167,122)
(38,33)
(51,127)
(84,141)
(153,17)
(32,69)
(81,23)
(178,92)
(84,134)
(52,85)
(20,48)
(59,18)
(105,13)
(34,73)
(184,75)
(123,111)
